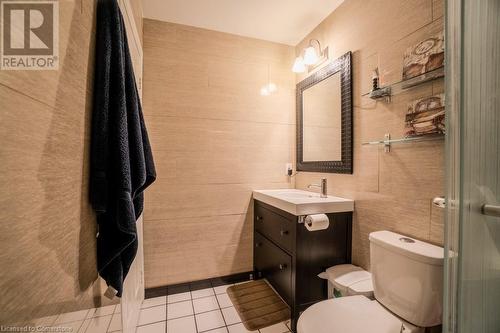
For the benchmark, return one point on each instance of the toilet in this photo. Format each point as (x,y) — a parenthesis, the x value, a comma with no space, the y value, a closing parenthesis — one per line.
(407,277)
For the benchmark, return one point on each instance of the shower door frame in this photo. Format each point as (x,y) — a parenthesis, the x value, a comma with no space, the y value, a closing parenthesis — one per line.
(453,35)
(470,118)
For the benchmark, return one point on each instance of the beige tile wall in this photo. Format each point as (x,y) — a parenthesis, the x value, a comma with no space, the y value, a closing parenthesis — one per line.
(393,191)
(215,139)
(47,229)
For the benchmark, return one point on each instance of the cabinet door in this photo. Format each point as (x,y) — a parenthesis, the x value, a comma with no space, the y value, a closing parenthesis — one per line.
(318,250)
(275,265)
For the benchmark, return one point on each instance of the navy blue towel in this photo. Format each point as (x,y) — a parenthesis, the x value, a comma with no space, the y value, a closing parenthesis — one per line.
(121,159)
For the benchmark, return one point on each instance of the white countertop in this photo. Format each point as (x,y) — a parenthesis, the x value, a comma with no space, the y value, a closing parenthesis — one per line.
(299,202)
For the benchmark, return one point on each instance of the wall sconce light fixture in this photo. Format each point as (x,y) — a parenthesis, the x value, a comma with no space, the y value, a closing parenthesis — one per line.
(312,57)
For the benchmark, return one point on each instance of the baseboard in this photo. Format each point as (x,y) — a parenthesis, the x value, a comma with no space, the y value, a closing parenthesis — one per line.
(197,285)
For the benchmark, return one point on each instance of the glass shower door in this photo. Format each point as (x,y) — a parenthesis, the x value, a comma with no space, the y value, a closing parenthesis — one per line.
(472,275)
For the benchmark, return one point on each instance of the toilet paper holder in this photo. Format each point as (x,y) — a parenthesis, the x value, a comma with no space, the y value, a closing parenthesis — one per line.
(315,222)
(302,219)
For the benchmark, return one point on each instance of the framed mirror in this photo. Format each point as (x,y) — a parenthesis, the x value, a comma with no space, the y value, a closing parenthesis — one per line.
(324,119)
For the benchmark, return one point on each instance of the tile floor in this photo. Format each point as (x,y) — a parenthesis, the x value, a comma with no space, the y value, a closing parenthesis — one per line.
(206,310)
(99,320)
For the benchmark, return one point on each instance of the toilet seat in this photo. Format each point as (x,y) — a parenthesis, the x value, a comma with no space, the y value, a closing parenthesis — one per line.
(351,314)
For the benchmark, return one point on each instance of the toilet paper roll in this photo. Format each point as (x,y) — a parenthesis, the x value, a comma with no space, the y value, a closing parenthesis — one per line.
(317,222)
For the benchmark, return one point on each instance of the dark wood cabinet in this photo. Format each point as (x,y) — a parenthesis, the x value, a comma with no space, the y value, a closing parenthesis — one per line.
(275,264)
(290,257)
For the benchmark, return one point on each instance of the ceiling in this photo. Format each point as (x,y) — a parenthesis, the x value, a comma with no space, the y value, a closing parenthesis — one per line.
(281,21)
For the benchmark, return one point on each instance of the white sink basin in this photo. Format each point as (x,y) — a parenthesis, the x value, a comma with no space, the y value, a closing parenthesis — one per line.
(298,202)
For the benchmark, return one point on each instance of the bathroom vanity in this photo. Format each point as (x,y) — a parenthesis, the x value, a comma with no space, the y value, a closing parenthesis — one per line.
(288,255)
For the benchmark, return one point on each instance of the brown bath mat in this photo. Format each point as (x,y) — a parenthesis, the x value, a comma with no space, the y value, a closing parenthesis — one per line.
(258,304)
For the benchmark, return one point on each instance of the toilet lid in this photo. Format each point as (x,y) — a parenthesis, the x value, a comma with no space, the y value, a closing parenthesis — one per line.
(352,314)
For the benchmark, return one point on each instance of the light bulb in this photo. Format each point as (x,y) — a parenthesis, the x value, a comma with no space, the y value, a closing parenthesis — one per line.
(310,56)
(264,91)
(298,65)
(271,87)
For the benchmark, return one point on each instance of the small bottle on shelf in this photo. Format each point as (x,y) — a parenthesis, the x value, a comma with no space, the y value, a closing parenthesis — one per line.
(375,79)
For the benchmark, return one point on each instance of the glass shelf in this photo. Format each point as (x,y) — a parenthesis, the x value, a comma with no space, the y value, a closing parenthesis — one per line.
(403,140)
(387,142)
(401,86)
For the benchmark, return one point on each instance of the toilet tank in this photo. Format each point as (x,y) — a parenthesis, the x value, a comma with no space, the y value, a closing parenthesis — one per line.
(408,277)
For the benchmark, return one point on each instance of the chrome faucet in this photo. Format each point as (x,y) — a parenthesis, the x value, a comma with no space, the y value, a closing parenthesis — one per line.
(322,186)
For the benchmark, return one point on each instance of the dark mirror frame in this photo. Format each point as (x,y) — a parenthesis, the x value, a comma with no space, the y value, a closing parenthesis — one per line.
(342,65)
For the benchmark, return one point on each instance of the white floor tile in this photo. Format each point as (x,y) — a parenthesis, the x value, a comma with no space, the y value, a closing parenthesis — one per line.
(181,325)
(179,309)
(205,304)
(209,321)
(222,289)
(102,311)
(202,293)
(152,328)
(98,324)
(118,308)
(90,313)
(277,328)
(224,301)
(44,321)
(179,297)
(150,302)
(217,330)
(84,326)
(154,314)
(231,316)
(71,327)
(239,328)
(116,323)
(71,316)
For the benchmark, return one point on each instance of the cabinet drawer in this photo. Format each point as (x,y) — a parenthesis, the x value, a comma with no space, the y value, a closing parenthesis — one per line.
(275,265)
(276,227)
